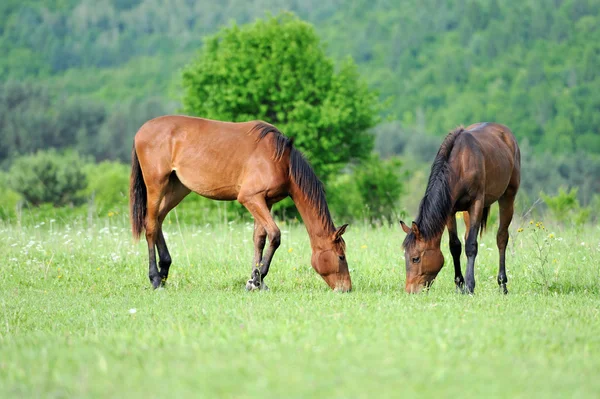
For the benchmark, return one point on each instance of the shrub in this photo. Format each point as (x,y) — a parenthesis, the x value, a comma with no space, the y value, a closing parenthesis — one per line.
(9,199)
(49,177)
(380,187)
(108,186)
(370,190)
(565,207)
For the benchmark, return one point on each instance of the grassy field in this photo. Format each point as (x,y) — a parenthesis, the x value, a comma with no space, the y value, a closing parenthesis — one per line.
(78,318)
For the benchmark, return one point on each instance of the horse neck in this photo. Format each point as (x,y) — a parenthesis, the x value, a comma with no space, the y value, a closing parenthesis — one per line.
(319,227)
(437,205)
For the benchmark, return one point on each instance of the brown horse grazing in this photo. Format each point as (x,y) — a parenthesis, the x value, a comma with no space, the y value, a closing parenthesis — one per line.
(474,168)
(251,162)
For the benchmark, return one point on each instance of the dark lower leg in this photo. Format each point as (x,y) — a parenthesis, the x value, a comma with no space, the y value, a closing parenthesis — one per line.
(164,257)
(274,242)
(153,273)
(502,279)
(455,250)
(471,251)
(473,221)
(174,193)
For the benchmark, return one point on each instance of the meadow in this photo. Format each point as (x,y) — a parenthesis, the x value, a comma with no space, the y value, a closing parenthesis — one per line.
(78,317)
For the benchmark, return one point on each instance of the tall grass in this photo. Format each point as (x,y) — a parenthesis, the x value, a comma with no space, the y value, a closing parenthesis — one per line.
(78,317)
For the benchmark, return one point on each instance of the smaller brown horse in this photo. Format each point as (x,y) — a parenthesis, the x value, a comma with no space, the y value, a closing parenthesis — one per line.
(251,162)
(474,168)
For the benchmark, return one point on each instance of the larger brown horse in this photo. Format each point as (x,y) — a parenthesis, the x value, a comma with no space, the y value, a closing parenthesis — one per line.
(251,162)
(474,168)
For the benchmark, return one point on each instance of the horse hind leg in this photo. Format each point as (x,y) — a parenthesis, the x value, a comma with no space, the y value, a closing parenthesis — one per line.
(467,224)
(155,193)
(506,204)
(174,194)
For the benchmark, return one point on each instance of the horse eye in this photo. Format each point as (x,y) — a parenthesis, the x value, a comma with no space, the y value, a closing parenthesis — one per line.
(416,260)
(342,257)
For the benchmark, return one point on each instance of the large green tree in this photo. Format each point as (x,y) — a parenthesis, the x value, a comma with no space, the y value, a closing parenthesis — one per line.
(276,70)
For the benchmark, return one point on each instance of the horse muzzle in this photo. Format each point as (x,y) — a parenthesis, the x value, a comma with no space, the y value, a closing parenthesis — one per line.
(419,283)
(339,282)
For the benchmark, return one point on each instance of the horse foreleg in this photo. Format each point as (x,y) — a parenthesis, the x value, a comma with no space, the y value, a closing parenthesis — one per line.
(471,245)
(455,250)
(506,204)
(258,207)
(260,239)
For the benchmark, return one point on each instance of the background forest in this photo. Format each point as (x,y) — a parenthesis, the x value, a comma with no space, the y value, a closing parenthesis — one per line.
(84,75)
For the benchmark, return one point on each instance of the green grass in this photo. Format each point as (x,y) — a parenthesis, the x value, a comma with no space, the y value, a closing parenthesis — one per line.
(66,327)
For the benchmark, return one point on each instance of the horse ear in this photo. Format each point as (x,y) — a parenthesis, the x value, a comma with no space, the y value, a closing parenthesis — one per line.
(338,233)
(405,227)
(415,229)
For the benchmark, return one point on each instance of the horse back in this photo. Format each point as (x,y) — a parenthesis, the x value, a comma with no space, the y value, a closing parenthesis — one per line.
(211,158)
(497,143)
(490,159)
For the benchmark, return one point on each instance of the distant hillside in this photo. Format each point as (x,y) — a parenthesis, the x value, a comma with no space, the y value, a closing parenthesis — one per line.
(532,65)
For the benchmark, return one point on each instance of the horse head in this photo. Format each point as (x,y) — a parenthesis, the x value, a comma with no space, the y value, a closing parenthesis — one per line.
(423,259)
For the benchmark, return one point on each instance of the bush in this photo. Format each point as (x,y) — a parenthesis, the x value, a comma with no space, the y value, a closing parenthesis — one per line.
(9,199)
(565,207)
(49,177)
(380,187)
(370,191)
(344,199)
(108,186)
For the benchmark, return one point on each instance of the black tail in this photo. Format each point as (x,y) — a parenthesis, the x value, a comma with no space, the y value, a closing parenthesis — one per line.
(484,218)
(137,197)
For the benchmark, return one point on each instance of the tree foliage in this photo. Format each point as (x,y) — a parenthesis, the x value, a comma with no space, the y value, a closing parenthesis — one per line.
(31,121)
(530,65)
(276,70)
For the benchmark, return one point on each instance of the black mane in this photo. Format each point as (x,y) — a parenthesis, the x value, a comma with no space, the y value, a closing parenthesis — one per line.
(300,171)
(436,205)
(281,142)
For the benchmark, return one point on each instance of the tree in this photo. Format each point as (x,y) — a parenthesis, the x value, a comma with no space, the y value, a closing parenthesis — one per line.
(276,70)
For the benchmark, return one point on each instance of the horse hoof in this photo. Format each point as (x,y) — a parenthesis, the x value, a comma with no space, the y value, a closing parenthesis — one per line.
(156,283)
(255,281)
(251,286)
(460,289)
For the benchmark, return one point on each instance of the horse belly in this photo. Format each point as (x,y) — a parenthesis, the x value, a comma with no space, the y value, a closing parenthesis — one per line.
(211,181)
